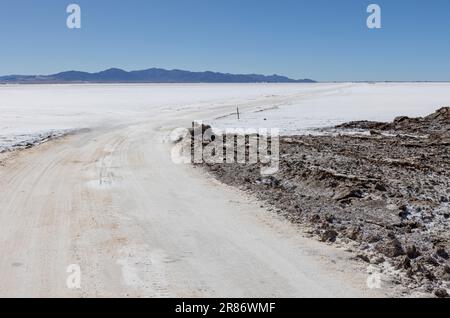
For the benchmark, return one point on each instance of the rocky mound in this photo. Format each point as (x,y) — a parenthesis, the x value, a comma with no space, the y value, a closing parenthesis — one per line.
(434,124)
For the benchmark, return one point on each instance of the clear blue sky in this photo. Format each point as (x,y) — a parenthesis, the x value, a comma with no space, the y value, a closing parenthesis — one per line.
(326,40)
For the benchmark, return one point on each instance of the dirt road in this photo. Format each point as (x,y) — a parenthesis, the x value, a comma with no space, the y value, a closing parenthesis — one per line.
(111,201)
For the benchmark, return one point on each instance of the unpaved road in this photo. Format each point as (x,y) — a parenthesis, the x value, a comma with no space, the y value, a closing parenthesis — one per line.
(111,201)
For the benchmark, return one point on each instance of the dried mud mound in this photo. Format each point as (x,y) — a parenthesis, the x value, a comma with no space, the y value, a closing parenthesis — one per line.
(383,196)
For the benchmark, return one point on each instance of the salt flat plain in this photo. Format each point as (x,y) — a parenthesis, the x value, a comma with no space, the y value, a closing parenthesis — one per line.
(110,200)
(327,105)
(32,112)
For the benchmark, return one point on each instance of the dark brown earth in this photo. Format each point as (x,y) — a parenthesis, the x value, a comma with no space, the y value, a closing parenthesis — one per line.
(383,195)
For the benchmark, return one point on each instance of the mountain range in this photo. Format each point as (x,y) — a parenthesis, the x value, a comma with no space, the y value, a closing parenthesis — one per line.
(153,75)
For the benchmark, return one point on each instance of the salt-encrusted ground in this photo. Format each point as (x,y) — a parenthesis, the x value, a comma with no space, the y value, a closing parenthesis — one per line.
(108,197)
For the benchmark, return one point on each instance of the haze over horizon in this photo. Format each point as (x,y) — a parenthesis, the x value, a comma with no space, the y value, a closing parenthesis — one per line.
(322,40)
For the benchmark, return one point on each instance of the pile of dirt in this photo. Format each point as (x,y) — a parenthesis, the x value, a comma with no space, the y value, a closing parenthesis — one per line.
(385,197)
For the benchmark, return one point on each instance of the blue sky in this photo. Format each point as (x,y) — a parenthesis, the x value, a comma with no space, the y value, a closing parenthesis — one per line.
(326,40)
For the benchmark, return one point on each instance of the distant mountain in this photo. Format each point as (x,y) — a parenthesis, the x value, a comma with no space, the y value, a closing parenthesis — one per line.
(153,75)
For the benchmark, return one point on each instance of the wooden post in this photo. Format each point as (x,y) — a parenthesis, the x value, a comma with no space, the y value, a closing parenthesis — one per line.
(237,112)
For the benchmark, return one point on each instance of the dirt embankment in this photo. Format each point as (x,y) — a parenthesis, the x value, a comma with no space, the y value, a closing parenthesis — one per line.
(385,196)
